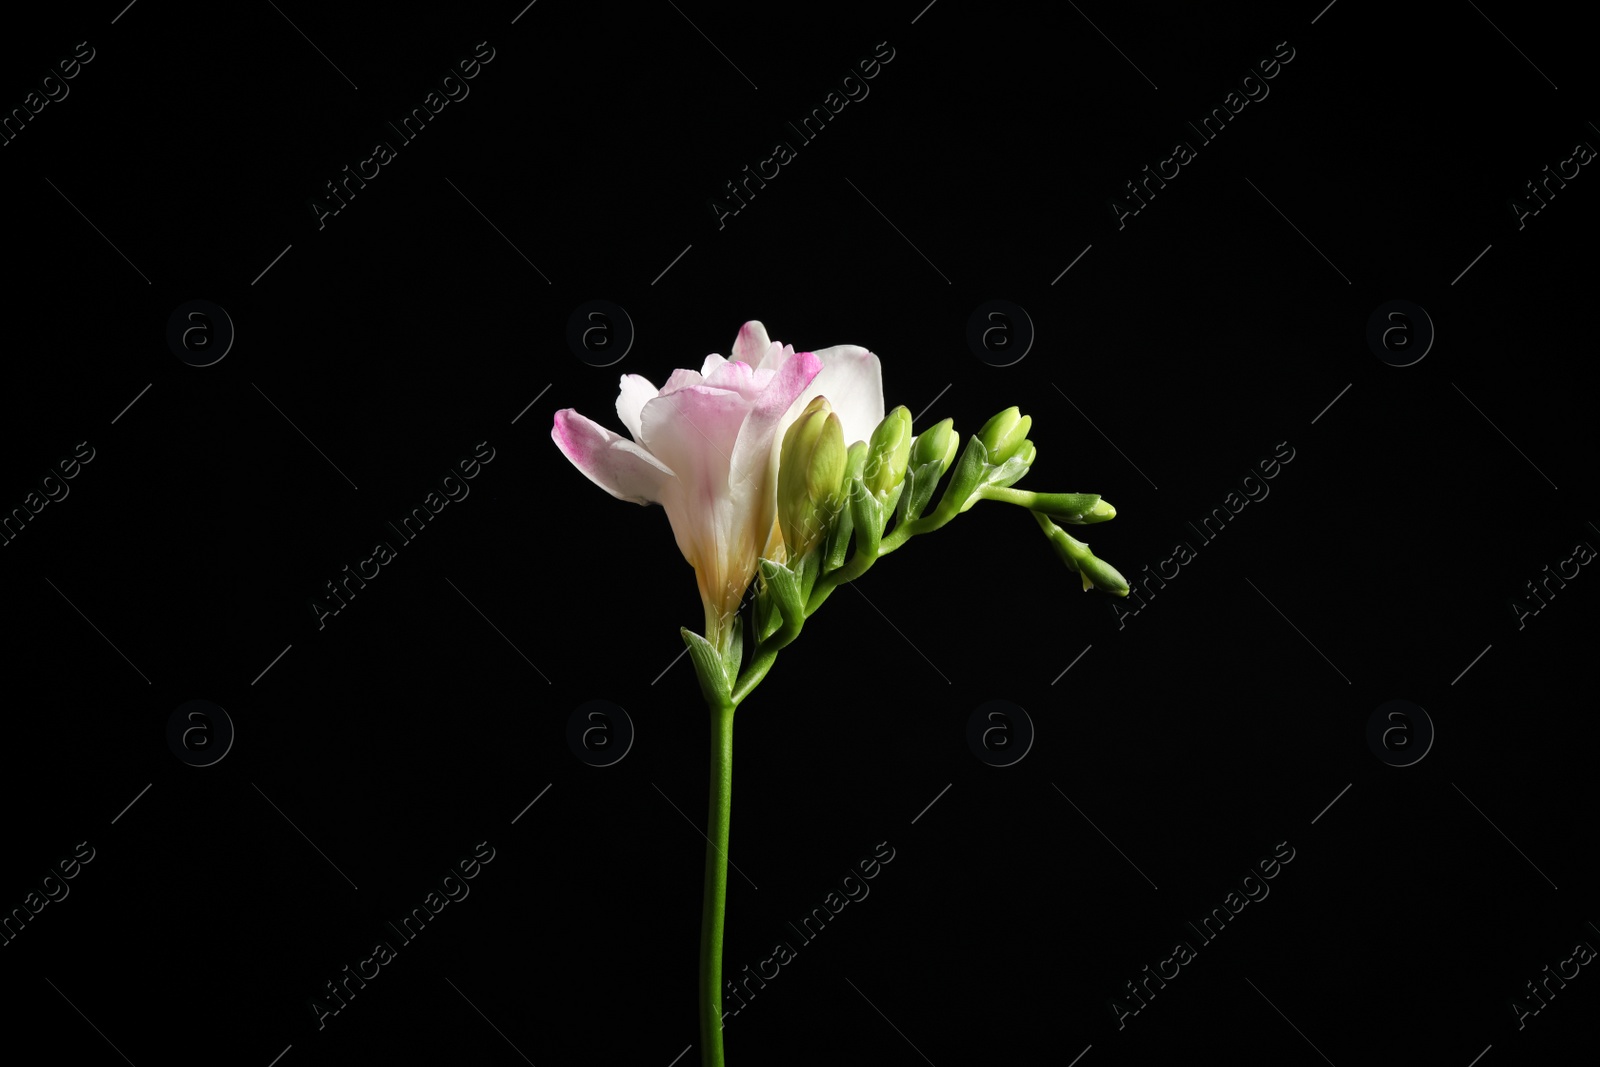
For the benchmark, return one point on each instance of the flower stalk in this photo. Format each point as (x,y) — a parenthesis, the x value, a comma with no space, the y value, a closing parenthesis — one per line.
(713,911)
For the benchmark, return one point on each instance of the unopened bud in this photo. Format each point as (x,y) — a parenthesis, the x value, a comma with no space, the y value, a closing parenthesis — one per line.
(1005,434)
(1093,571)
(855,462)
(889,451)
(1097,572)
(811,466)
(936,444)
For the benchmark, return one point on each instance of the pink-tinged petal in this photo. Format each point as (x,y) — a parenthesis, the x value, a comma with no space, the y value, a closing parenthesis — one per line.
(712,362)
(635,390)
(681,379)
(693,431)
(754,482)
(738,376)
(609,460)
(852,380)
(752,343)
(777,355)
(766,414)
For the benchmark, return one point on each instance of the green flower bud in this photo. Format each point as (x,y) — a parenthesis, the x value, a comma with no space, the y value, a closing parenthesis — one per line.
(811,466)
(1097,572)
(1093,571)
(1075,509)
(1005,434)
(889,451)
(836,541)
(936,444)
(855,462)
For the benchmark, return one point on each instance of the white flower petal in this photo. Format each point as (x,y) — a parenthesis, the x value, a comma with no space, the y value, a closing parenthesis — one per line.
(693,431)
(635,390)
(852,380)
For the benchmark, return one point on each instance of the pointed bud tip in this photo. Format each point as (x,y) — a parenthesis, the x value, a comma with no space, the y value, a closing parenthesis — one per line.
(889,451)
(818,403)
(937,444)
(828,459)
(1004,435)
(812,465)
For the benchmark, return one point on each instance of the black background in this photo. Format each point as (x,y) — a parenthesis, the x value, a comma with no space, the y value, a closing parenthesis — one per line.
(427,715)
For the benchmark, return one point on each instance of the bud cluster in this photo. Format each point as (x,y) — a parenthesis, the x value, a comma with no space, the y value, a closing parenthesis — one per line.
(836,503)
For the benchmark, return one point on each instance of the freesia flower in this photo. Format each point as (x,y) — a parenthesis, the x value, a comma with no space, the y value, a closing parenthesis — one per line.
(705,446)
(709,446)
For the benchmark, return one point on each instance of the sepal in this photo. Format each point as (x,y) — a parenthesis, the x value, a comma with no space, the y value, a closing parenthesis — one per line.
(783,586)
(921,481)
(961,491)
(1009,472)
(715,685)
(868,515)
(733,655)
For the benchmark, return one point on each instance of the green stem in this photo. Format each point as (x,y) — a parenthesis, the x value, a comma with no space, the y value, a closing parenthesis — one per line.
(716,894)
(822,592)
(1078,509)
(1010,496)
(890,541)
(757,669)
(1051,503)
(762,657)
(894,538)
